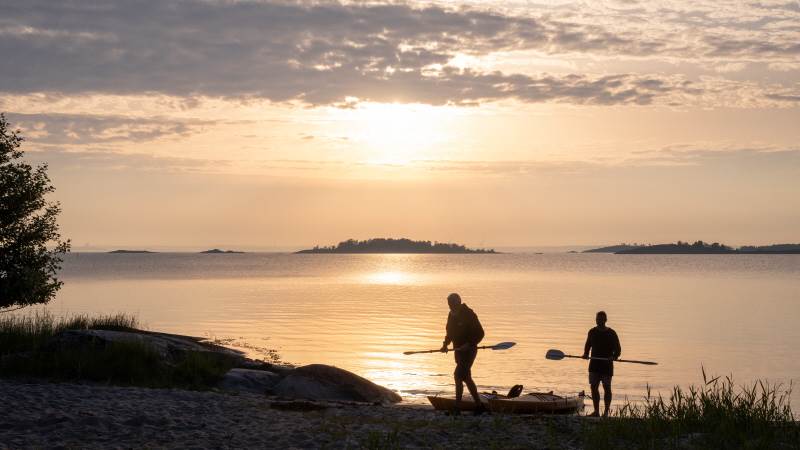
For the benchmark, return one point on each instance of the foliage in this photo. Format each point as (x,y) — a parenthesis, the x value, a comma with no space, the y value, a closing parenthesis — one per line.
(390,245)
(28,268)
(24,352)
(715,415)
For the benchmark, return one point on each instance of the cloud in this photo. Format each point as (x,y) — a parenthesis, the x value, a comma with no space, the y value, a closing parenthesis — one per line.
(793,98)
(793,6)
(322,53)
(87,128)
(99,158)
(684,155)
(672,156)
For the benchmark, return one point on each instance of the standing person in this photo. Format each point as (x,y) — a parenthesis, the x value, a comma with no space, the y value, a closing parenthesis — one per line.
(604,343)
(464,330)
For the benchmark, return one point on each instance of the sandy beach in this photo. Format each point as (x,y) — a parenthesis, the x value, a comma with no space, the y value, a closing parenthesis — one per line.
(66,415)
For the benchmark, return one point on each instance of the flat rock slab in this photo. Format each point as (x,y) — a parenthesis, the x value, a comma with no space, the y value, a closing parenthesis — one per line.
(169,346)
(323,382)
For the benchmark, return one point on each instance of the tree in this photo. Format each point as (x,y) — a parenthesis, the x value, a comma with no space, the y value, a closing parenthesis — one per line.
(30,244)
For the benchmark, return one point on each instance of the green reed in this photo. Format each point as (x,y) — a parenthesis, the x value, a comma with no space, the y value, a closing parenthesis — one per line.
(717,414)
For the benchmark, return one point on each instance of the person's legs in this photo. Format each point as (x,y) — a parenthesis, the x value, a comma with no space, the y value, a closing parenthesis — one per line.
(473,389)
(594,383)
(606,394)
(458,376)
(459,389)
(467,360)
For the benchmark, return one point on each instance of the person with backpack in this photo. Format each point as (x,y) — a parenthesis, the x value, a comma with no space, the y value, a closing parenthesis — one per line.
(464,330)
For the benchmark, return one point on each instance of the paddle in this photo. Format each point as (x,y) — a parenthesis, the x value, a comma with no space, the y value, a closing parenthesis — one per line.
(558,355)
(500,346)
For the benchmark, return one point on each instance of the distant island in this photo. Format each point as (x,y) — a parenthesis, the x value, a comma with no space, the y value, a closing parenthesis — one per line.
(775,248)
(698,247)
(389,245)
(131,251)
(217,251)
(613,248)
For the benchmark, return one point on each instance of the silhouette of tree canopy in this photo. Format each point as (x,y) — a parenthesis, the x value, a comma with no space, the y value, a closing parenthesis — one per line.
(389,245)
(28,268)
(774,248)
(682,247)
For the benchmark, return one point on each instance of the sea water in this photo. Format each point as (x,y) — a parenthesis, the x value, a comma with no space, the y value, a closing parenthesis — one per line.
(731,314)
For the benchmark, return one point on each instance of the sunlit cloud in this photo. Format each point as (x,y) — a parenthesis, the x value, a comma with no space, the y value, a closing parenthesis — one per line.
(95,128)
(322,53)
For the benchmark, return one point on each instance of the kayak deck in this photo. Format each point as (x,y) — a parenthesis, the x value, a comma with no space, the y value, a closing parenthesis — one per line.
(533,403)
(538,403)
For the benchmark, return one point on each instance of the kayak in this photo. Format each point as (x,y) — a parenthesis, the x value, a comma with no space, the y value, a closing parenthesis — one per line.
(537,403)
(533,403)
(467,404)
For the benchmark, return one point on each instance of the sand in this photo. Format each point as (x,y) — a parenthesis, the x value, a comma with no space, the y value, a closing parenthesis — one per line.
(66,415)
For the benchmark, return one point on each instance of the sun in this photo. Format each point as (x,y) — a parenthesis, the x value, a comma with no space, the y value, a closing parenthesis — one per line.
(398,134)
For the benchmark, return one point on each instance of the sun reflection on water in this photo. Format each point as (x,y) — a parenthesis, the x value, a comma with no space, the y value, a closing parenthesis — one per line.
(389,277)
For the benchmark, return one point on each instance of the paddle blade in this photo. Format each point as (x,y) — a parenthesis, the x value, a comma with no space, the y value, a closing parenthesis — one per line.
(554,354)
(503,346)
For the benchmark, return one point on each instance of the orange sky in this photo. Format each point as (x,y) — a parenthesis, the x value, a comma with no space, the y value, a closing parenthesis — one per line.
(281,124)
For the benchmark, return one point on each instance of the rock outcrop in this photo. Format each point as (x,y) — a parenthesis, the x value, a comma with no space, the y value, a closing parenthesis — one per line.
(322,382)
(315,382)
(249,380)
(169,346)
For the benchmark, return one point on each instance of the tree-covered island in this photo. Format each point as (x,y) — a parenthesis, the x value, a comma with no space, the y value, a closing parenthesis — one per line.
(698,247)
(390,245)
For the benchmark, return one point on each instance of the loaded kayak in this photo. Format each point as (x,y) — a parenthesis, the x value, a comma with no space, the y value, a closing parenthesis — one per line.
(533,403)
(467,404)
(537,403)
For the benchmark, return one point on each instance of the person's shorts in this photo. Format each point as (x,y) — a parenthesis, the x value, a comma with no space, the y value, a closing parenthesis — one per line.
(464,362)
(597,378)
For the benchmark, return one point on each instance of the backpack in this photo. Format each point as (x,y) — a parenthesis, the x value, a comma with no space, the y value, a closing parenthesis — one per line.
(476,330)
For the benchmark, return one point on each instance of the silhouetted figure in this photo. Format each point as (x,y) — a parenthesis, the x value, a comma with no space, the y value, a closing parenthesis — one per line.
(464,330)
(603,343)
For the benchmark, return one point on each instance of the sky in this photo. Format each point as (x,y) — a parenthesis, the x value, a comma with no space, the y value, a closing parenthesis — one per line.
(268,124)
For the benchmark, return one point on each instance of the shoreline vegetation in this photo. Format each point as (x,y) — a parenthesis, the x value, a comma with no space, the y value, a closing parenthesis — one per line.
(391,245)
(698,247)
(124,390)
(39,345)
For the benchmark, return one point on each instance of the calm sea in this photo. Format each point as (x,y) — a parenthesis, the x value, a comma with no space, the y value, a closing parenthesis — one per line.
(732,314)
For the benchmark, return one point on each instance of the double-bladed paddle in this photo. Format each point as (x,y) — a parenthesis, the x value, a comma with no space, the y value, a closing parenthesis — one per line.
(500,346)
(558,355)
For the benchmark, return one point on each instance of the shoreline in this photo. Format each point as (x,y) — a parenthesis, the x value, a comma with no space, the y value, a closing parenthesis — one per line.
(69,415)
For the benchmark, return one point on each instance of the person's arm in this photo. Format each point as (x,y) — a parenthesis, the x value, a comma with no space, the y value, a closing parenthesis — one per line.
(617,347)
(588,345)
(447,338)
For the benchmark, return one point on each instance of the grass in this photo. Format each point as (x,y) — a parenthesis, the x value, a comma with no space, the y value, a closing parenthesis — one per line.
(30,332)
(717,414)
(24,352)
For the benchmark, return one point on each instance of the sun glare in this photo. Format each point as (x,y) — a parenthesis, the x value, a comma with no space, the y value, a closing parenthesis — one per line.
(397,134)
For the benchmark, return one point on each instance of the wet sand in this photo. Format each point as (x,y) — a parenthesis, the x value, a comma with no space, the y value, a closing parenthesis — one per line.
(66,415)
